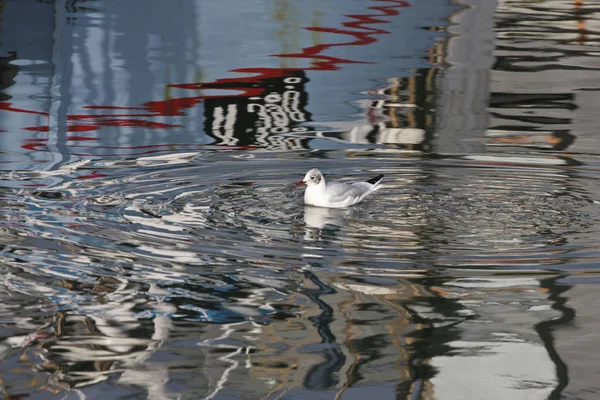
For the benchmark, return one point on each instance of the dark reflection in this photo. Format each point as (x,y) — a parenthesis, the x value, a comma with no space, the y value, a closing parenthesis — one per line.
(8,72)
(545,330)
(520,127)
(49,195)
(540,100)
(438,328)
(322,376)
(460,326)
(260,120)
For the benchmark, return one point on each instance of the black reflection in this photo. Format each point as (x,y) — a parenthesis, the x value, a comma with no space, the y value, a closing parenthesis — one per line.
(432,339)
(545,329)
(8,72)
(81,6)
(323,376)
(249,121)
(539,100)
(532,120)
(276,118)
(442,325)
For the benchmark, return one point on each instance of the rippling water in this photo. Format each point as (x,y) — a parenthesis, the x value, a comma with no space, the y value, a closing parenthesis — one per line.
(153,243)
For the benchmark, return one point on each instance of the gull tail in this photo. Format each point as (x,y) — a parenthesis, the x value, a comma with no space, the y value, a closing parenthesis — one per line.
(375,181)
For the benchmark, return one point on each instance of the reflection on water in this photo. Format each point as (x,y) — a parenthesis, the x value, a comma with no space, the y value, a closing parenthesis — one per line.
(153,244)
(257,101)
(229,279)
(318,217)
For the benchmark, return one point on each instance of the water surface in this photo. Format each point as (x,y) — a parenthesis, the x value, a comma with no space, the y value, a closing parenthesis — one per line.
(153,243)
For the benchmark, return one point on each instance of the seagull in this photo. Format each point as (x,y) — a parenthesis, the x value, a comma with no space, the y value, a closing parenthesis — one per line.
(335,194)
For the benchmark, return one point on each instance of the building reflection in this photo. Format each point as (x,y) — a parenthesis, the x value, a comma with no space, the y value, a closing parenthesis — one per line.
(526,112)
(484,335)
(337,334)
(339,324)
(484,98)
(74,349)
(265,107)
(469,334)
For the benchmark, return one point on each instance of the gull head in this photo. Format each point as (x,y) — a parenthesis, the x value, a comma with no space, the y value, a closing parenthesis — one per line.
(312,177)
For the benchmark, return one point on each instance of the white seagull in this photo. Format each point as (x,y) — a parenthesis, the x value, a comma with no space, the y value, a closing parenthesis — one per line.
(335,194)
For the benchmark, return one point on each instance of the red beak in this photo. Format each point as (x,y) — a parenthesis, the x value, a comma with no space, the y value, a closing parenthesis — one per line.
(300,183)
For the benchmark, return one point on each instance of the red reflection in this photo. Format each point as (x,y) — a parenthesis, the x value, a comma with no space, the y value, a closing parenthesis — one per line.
(91,176)
(7,106)
(81,128)
(80,138)
(35,144)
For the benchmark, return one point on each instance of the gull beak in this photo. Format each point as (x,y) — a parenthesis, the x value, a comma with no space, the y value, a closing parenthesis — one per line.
(300,183)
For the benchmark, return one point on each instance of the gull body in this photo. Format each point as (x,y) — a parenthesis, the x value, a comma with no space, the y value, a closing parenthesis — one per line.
(335,194)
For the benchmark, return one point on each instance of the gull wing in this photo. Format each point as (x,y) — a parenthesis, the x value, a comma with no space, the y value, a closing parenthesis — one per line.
(339,191)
